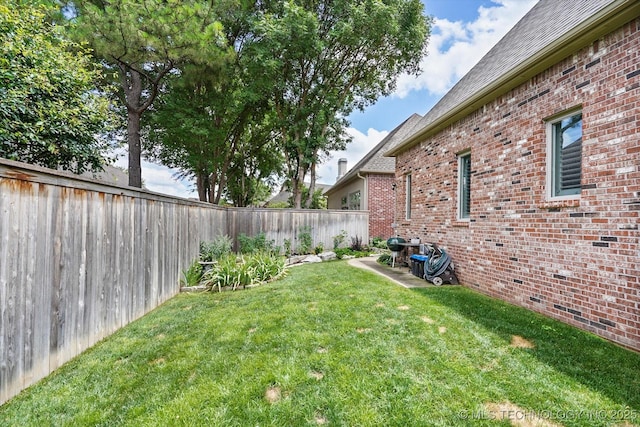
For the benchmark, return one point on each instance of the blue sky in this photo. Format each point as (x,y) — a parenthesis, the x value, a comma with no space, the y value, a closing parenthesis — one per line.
(463,31)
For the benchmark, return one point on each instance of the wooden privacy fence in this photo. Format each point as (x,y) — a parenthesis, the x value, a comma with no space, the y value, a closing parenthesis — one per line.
(79,259)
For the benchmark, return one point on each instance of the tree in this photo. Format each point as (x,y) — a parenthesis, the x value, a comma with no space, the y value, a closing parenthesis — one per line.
(330,57)
(144,41)
(212,122)
(50,111)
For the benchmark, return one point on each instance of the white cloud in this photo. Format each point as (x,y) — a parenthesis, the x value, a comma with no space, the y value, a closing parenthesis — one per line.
(455,47)
(160,179)
(361,145)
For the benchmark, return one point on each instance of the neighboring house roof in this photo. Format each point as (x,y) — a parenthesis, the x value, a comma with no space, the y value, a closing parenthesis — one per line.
(110,174)
(548,33)
(375,161)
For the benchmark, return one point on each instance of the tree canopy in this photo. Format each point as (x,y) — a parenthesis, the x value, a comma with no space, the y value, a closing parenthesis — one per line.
(144,42)
(50,112)
(328,58)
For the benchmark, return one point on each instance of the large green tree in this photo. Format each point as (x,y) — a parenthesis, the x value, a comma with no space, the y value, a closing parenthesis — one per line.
(213,122)
(210,125)
(143,42)
(328,58)
(50,111)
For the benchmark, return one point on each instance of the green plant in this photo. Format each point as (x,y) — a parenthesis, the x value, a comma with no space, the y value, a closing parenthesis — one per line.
(265,266)
(234,271)
(339,239)
(230,271)
(215,249)
(356,244)
(384,259)
(305,242)
(379,242)
(342,252)
(318,249)
(287,247)
(192,275)
(257,243)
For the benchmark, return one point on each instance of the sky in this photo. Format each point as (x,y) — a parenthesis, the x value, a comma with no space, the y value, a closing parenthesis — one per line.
(463,32)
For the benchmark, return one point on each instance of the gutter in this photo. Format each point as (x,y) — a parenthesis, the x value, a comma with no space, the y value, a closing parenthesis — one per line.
(609,18)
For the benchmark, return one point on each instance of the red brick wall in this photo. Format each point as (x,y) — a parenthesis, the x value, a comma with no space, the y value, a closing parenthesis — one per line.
(381,201)
(576,261)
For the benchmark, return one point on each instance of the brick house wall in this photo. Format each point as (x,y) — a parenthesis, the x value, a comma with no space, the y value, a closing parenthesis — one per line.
(381,205)
(577,261)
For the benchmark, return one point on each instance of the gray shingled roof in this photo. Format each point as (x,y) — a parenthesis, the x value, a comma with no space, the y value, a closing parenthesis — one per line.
(374,160)
(547,27)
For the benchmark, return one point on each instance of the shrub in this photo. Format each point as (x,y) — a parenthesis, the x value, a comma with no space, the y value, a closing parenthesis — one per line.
(379,242)
(341,252)
(192,275)
(356,244)
(385,259)
(287,247)
(216,249)
(257,243)
(339,239)
(305,241)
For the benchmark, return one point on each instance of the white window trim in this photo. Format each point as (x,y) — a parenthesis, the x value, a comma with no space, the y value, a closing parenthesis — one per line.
(461,155)
(550,156)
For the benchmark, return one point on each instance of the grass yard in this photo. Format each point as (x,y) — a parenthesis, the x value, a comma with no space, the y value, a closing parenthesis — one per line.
(334,345)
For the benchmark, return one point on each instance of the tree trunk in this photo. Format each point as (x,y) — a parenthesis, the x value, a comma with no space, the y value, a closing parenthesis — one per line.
(133,137)
(201,183)
(312,186)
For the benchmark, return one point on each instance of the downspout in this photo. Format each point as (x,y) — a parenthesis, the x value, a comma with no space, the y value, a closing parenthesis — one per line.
(366,193)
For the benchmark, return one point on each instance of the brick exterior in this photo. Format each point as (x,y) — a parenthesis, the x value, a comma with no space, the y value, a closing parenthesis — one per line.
(381,201)
(576,261)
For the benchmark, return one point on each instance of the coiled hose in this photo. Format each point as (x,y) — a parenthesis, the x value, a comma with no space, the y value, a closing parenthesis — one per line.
(436,265)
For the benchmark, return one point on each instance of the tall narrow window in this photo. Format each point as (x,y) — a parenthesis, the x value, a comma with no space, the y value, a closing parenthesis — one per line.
(565,160)
(464,186)
(408,199)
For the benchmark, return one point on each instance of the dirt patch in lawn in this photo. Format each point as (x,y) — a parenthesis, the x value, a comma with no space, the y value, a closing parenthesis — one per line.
(518,342)
(273,394)
(316,375)
(425,319)
(403,307)
(320,419)
(517,416)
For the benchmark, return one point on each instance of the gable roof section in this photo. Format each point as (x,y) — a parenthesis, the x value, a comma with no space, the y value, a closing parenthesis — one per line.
(548,33)
(375,161)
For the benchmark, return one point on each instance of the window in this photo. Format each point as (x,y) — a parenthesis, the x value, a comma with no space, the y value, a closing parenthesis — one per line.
(343,203)
(408,196)
(354,201)
(464,186)
(564,169)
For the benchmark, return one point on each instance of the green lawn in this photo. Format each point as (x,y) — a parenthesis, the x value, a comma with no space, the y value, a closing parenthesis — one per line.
(331,344)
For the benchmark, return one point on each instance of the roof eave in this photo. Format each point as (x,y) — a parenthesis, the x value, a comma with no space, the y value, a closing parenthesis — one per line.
(608,19)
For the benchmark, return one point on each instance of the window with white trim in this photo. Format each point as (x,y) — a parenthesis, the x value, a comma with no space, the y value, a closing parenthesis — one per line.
(464,186)
(408,196)
(564,159)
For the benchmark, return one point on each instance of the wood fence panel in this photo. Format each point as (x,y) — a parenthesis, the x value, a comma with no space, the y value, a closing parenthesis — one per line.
(80,259)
